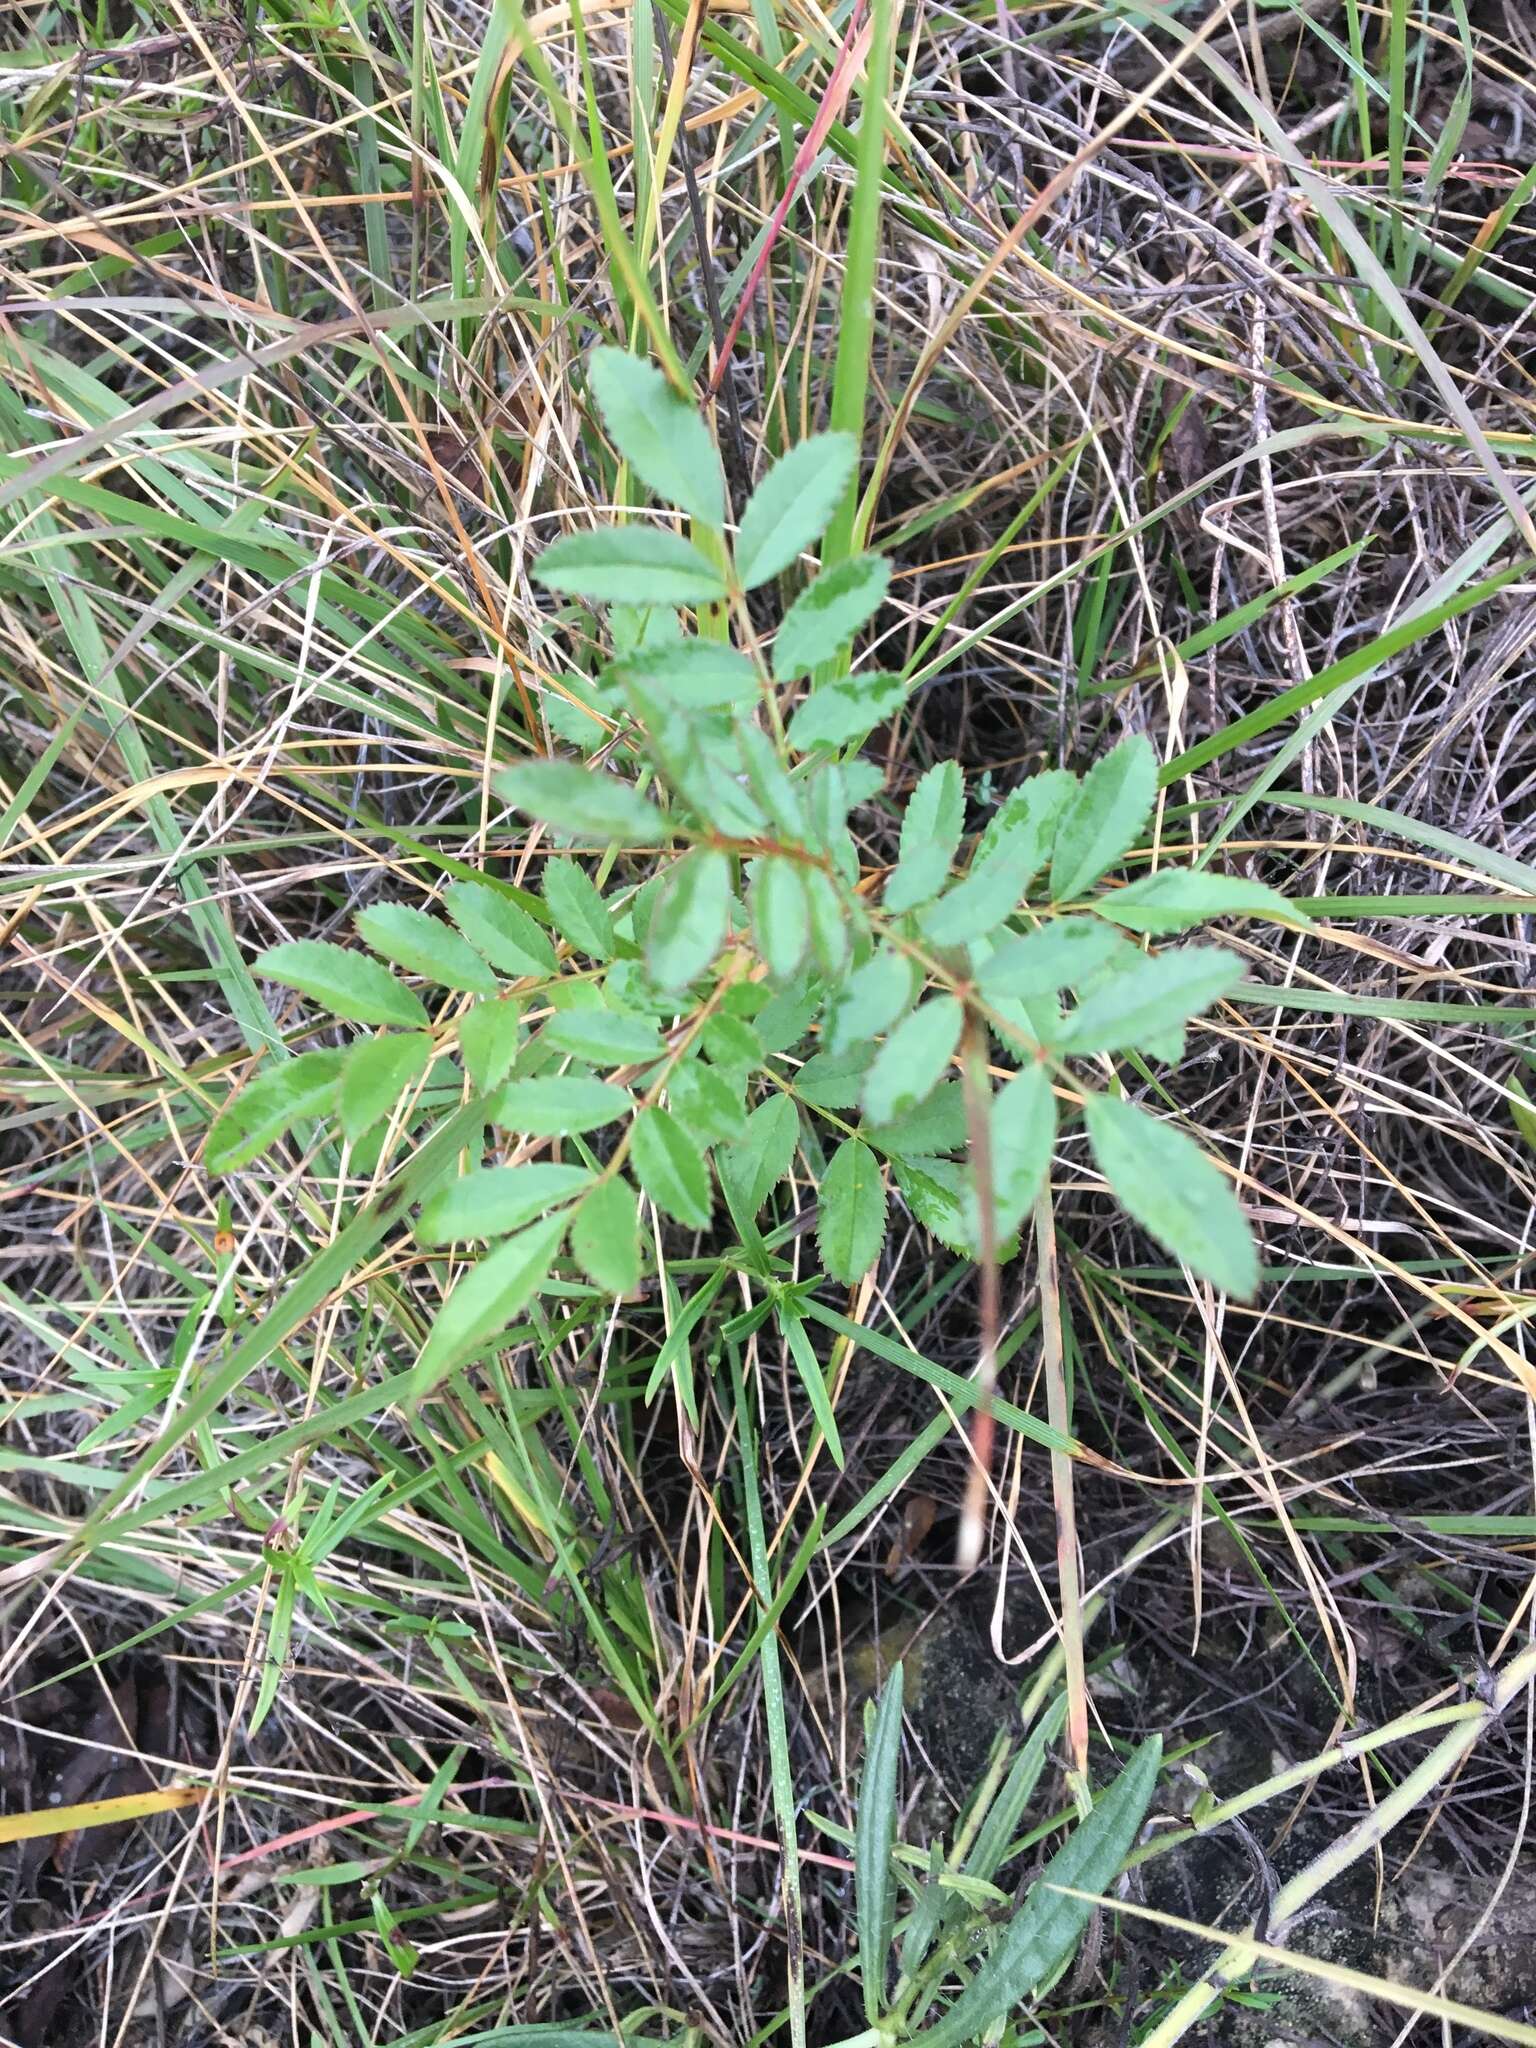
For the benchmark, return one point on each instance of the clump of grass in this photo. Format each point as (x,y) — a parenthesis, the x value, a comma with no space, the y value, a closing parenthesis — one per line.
(1183,361)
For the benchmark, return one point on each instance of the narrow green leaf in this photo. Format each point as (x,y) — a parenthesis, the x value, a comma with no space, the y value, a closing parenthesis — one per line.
(791,506)
(1523,1112)
(577,908)
(424,945)
(270,1104)
(347,984)
(851,1227)
(695,674)
(874,1878)
(930,832)
(837,713)
(1062,954)
(659,434)
(501,930)
(689,924)
(604,1038)
(781,916)
(1167,1185)
(1104,819)
(489,1037)
(871,999)
(1001,1825)
(582,802)
(559,1108)
(1132,1007)
(669,1166)
(630,565)
(1176,899)
(912,1061)
(605,1237)
(489,1201)
(494,1291)
(376,1073)
(1045,1932)
(827,613)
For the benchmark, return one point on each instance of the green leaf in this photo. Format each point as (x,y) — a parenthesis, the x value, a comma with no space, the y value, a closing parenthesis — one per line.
(935,1126)
(781,916)
(812,1375)
(829,921)
(347,984)
(871,999)
(559,1108)
(874,1839)
(832,1080)
(1166,1184)
(501,930)
(605,1237)
(1001,1827)
(1105,817)
(489,1201)
(577,908)
(486,1300)
(709,776)
(837,713)
(268,1105)
(851,1228)
(1176,899)
(691,919)
(1135,1005)
(1063,954)
(582,802)
(659,434)
(1028,820)
(930,832)
(781,799)
(753,1167)
(940,1196)
(709,1104)
(1043,1935)
(732,1043)
(791,506)
(1022,1136)
(912,1061)
(489,1037)
(376,1073)
(697,675)
(787,1016)
(671,1169)
(978,905)
(630,565)
(1522,1112)
(425,945)
(604,1038)
(827,613)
